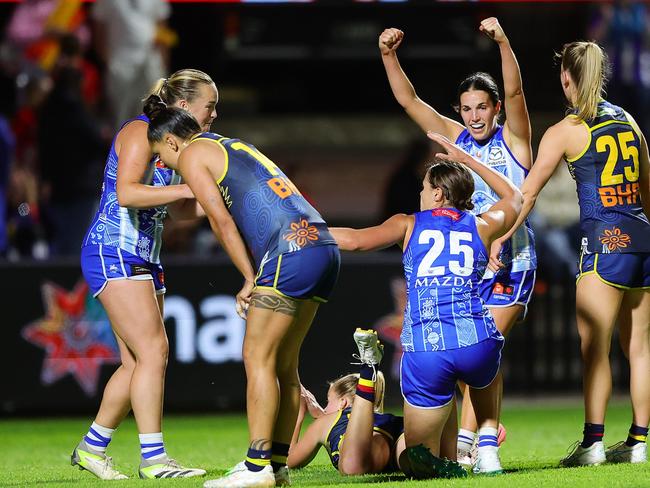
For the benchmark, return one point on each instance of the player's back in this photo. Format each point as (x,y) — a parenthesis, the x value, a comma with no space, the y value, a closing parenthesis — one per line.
(607,179)
(272,215)
(444,262)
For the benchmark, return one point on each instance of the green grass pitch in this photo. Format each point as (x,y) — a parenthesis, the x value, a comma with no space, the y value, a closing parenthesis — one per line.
(36,452)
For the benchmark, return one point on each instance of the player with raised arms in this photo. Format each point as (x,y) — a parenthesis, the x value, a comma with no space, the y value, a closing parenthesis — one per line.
(120,260)
(289,261)
(507,287)
(449,334)
(607,155)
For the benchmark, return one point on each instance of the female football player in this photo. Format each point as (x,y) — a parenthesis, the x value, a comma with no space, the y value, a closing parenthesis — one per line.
(449,334)
(120,262)
(607,155)
(292,267)
(508,283)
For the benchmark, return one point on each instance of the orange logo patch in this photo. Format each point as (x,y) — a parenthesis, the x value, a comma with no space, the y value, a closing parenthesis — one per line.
(614,239)
(301,233)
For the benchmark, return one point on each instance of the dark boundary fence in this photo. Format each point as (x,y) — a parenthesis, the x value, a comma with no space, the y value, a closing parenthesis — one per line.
(57,351)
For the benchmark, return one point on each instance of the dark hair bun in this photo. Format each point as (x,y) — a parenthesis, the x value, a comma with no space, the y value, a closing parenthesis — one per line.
(153,105)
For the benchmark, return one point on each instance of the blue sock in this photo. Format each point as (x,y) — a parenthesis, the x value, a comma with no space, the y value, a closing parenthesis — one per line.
(366,384)
(279,457)
(98,437)
(152,446)
(636,435)
(258,460)
(487,436)
(592,433)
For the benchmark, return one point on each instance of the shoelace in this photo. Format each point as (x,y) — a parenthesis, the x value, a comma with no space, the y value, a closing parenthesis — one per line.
(572,449)
(361,361)
(108,465)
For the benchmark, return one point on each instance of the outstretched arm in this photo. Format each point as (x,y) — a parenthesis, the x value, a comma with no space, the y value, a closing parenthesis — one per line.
(392,231)
(517,126)
(305,448)
(200,166)
(502,215)
(421,113)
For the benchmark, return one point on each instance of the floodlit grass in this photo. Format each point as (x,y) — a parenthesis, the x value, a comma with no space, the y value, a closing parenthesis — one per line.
(36,452)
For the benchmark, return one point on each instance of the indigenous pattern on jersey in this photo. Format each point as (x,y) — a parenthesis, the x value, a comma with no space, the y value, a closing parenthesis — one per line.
(444,262)
(272,215)
(391,426)
(519,252)
(607,178)
(137,231)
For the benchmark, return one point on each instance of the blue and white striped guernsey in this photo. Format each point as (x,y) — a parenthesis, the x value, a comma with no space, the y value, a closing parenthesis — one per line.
(137,231)
(444,262)
(519,254)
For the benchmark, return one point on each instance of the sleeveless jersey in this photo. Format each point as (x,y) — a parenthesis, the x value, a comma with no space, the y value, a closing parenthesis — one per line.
(607,178)
(271,214)
(388,424)
(137,231)
(444,262)
(519,252)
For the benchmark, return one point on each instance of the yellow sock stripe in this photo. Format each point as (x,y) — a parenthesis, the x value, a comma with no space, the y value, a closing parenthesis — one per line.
(368,383)
(278,458)
(640,438)
(258,462)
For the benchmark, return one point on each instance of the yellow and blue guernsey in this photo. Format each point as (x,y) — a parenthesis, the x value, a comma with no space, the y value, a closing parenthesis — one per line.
(444,262)
(519,253)
(389,425)
(607,178)
(137,231)
(271,214)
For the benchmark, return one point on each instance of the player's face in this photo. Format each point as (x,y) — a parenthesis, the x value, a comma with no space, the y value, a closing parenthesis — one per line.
(168,150)
(427,200)
(334,402)
(479,113)
(204,107)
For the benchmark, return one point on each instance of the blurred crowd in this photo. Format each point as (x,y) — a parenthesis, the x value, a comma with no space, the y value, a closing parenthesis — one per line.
(71,72)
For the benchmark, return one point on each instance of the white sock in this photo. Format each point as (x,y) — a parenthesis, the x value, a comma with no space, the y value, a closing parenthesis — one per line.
(465,440)
(487,437)
(152,446)
(98,437)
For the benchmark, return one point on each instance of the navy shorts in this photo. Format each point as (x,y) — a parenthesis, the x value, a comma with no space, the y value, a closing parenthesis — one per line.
(308,274)
(622,270)
(428,379)
(101,264)
(507,288)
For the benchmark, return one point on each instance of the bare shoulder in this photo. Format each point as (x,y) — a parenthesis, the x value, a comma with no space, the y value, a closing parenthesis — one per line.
(199,154)
(136,129)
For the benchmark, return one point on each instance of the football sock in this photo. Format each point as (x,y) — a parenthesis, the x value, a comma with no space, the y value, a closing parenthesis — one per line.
(366,385)
(465,440)
(152,446)
(257,460)
(98,437)
(592,433)
(636,435)
(280,452)
(487,436)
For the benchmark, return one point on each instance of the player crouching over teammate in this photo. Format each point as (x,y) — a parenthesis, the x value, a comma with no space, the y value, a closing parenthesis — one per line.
(448,334)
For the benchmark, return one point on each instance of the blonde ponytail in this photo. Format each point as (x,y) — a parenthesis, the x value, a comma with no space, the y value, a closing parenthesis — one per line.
(346,386)
(587,65)
(182,85)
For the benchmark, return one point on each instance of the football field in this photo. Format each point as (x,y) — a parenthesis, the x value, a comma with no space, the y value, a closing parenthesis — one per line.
(36,452)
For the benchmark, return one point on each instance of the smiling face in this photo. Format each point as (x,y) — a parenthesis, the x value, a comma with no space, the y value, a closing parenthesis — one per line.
(203,107)
(479,113)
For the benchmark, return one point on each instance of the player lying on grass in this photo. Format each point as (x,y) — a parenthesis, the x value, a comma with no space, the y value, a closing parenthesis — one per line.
(358,436)
(449,335)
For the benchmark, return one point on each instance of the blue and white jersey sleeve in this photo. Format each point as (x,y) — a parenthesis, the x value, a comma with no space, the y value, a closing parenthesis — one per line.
(519,253)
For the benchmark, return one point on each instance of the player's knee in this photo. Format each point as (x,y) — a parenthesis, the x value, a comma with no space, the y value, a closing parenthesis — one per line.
(155,351)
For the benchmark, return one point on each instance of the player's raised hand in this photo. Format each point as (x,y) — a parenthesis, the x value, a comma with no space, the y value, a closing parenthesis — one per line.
(491,28)
(389,40)
(452,151)
(313,407)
